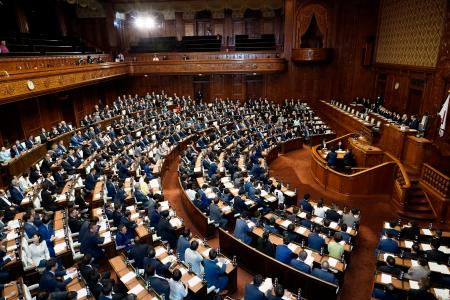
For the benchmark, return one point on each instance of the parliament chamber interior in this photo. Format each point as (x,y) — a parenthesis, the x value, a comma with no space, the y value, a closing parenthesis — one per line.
(225,149)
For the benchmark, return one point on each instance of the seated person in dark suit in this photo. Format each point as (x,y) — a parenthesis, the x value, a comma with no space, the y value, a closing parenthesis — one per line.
(390,267)
(270,226)
(410,232)
(315,241)
(392,230)
(252,291)
(414,254)
(215,275)
(183,243)
(300,264)
(158,283)
(422,293)
(305,205)
(306,222)
(165,230)
(292,235)
(435,254)
(332,214)
(283,253)
(332,158)
(264,245)
(388,293)
(138,252)
(159,267)
(92,242)
(349,160)
(48,202)
(324,274)
(75,220)
(388,244)
(48,281)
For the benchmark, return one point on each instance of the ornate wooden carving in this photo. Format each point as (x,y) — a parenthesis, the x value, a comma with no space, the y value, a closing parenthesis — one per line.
(15,85)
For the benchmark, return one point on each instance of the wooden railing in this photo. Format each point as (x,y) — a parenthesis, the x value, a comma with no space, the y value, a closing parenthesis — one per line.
(402,183)
(436,180)
(377,181)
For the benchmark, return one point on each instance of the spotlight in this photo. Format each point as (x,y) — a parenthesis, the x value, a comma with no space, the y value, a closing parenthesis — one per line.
(145,22)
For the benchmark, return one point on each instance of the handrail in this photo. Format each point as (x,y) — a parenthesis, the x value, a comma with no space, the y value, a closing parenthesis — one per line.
(317,156)
(446,177)
(407,184)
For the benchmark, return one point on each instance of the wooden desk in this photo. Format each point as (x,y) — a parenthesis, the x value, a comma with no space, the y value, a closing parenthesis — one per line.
(392,139)
(414,152)
(292,279)
(366,155)
(291,145)
(343,122)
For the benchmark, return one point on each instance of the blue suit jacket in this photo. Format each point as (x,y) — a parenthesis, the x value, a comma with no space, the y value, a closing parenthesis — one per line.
(49,283)
(89,183)
(299,265)
(242,231)
(214,274)
(112,190)
(252,292)
(315,241)
(388,245)
(160,285)
(140,197)
(182,245)
(46,234)
(324,275)
(138,254)
(283,254)
(30,229)
(16,196)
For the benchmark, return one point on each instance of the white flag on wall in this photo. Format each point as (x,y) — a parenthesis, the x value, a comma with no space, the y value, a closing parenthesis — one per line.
(443,114)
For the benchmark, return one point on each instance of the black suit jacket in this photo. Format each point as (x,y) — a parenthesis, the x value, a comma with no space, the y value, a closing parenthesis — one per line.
(167,232)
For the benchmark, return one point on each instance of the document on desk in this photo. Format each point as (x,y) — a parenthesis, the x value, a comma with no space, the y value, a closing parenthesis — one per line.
(435,267)
(159,251)
(414,284)
(60,247)
(285,223)
(333,262)
(442,293)
(136,289)
(386,278)
(292,247)
(81,293)
(127,277)
(194,281)
(266,285)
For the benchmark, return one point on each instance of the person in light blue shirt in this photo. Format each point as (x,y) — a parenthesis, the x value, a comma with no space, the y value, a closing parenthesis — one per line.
(191,256)
(178,290)
(242,230)
(5,155)
(183,243)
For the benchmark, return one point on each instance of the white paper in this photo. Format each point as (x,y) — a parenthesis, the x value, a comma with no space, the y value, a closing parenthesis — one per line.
(81,293)
(127,277)
(159,251)
(134,216)
(183,271)
(59,234)
(309,260)
(11,236)
(427,231)
(408,244)
(444,249)
(290,193)
(286,223)
(292,247)
(175,222)
(442,293)
(333,262)
(194,281)
(266,285)
(168,258)
(60,247)
(301,230)
(414,284)
(435,267)
(14,224)
(414,263)
(136,290)
(426,247)
(386,278)
(334,225)
(205,253)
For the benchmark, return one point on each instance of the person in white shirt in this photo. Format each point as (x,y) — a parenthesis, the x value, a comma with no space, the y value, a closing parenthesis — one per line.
(38,251)
(191,256)
(190,192)
(419,272)
(24,182)
(178,290)
(319,209)
(279,194)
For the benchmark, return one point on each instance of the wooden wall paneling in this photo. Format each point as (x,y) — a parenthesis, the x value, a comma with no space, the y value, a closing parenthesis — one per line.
(189,29)
(30,116)
(238,27)
(50,109)
(268,26)
(10,123)
(218,86)
(179,26)
(238,86)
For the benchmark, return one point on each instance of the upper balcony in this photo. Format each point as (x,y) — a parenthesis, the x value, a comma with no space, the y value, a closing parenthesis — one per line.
(25,77)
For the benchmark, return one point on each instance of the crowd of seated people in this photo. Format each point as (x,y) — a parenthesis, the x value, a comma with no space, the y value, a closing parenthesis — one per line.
(413,254)
(377,107)
(230,152)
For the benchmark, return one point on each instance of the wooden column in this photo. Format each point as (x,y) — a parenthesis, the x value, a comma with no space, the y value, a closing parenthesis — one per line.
(179,25)
(227,27)
(22,20)
(61,19)
(289,11)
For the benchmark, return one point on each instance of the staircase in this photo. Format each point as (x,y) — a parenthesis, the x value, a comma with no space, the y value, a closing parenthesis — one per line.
(417,205)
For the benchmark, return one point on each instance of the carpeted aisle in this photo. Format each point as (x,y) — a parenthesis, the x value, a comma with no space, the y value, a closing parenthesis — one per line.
(294,168)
